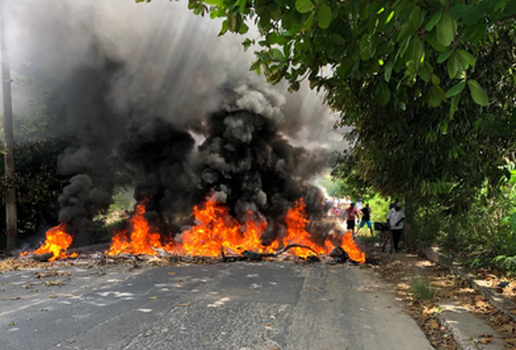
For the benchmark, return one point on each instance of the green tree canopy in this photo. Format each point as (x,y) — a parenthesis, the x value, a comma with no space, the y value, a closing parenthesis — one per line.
(428,85)
(403,49)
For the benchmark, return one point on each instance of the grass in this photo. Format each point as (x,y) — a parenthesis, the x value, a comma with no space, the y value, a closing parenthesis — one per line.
(421,290)
(105,224)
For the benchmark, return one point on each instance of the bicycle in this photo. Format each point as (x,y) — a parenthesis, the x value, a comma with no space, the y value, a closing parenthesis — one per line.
(386,240)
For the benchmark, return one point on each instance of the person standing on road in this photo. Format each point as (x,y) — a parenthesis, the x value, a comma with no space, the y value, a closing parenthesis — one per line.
(396,218)
(366,219)
(351,214)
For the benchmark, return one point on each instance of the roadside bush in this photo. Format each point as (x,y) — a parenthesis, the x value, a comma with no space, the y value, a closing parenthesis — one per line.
(421,290)
(479,229)
(114,219)
(37,185)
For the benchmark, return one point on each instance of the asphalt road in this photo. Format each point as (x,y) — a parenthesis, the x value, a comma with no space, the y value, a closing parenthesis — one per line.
(273,305)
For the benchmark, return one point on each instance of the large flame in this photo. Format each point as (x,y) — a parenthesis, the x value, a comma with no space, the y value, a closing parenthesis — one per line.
(56,242)
(296,221)
(217,231)
(349,245)
(142,239)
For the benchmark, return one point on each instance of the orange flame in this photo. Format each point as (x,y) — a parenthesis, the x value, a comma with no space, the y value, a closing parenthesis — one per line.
(217,230)
(142,239)
(56,242)
(354,252)
(252,240)
(296,221)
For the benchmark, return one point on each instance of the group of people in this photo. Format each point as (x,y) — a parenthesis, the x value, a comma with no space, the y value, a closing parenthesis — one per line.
(352,212)
(355,211)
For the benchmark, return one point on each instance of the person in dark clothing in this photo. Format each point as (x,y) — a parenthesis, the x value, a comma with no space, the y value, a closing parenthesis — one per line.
(366,219)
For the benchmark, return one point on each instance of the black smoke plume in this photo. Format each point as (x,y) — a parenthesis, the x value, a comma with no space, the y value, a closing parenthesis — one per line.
(87,113)
(244,161)
(161,105)
(157,157)
(252,167)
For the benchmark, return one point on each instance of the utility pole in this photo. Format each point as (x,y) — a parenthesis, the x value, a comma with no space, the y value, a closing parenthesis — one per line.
(10,198)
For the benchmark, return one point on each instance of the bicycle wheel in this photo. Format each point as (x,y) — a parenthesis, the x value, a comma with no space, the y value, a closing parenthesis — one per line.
(383,240)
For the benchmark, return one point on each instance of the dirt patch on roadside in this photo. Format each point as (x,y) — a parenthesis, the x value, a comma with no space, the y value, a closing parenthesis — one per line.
(401,273)
(407,270)
(503,285)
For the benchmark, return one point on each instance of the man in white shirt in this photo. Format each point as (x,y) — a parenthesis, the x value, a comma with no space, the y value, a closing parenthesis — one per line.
(396,219)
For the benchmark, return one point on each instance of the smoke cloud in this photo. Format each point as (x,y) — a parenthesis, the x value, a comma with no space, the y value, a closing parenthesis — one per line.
(154,100)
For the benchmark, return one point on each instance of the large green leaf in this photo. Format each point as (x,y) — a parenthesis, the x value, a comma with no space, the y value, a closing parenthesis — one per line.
(224,28)
(277,55)
(435,80)
(513,223)
(425,72)
(446,29)
(467,58)
(337,39)
(501,4)
(388,69)
(243,28)
(454,65)
(304,6)
(382,94)
(416,16)
(435,96)
(454,104)
(434,99)
(474,33)
(292,22)
(456,89)
(436,17)
(468,14)
(477,93)
(431,38)
(414,51)
(324,16)
(345,67)
(444,56)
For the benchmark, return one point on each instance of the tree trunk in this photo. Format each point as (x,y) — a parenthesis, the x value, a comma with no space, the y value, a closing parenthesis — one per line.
(410,235)
(10,199)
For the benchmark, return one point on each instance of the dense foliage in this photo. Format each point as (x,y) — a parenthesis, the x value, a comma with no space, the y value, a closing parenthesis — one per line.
(484,235)
(400,50)
(37,184)
(37,148)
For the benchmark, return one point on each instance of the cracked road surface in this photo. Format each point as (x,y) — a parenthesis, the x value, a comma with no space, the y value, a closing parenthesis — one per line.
(272,305)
